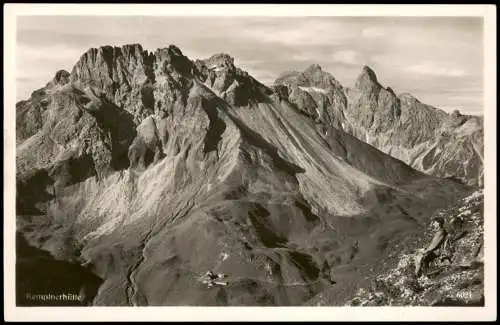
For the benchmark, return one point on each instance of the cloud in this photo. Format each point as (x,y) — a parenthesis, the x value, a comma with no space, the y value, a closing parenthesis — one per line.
(302,57)
(348,57)
(55,52)
(373,32)
(246,63)
(380,59)
(302,32)
(434,69)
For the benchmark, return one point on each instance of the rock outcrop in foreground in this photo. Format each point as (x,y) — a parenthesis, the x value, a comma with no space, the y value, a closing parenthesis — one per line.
(455,277)
(147,169)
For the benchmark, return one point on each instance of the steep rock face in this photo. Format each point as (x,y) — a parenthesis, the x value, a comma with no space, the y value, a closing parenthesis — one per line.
(454,277)
(316,93)
(230,82)
(150,169)
(148,146)
(123,74)
(371,106)
(457,151)
(81,135)
(425,137)
(172,76)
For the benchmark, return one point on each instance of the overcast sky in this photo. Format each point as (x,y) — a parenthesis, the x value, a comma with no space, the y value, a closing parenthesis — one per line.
(437,59)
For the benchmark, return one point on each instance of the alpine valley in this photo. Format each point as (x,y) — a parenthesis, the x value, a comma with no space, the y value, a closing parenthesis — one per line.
(139,171)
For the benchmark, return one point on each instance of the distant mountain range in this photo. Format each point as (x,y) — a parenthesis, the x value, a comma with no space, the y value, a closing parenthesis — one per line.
(424,137)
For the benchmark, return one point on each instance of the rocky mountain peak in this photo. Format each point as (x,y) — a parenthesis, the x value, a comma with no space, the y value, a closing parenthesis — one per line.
(389,89)
(315,76)
(62,77)
(101,63)
(174,50)
(369,71)
(286,77)
(170,51)
(367,78)
(219,60)
(455,119)
(171,60)
(456,114)
(132,48)
(408,98)
(109,53)
(314,68)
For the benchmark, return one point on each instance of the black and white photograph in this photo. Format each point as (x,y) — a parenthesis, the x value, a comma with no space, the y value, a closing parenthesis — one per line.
(247,158)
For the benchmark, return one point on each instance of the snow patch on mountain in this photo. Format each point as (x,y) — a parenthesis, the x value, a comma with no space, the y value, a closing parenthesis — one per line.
(313,89)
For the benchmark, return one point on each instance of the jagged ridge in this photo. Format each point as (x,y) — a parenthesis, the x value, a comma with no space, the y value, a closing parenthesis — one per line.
(425,137)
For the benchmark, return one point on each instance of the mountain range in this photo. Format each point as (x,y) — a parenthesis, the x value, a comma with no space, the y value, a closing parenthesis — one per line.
(146,169)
